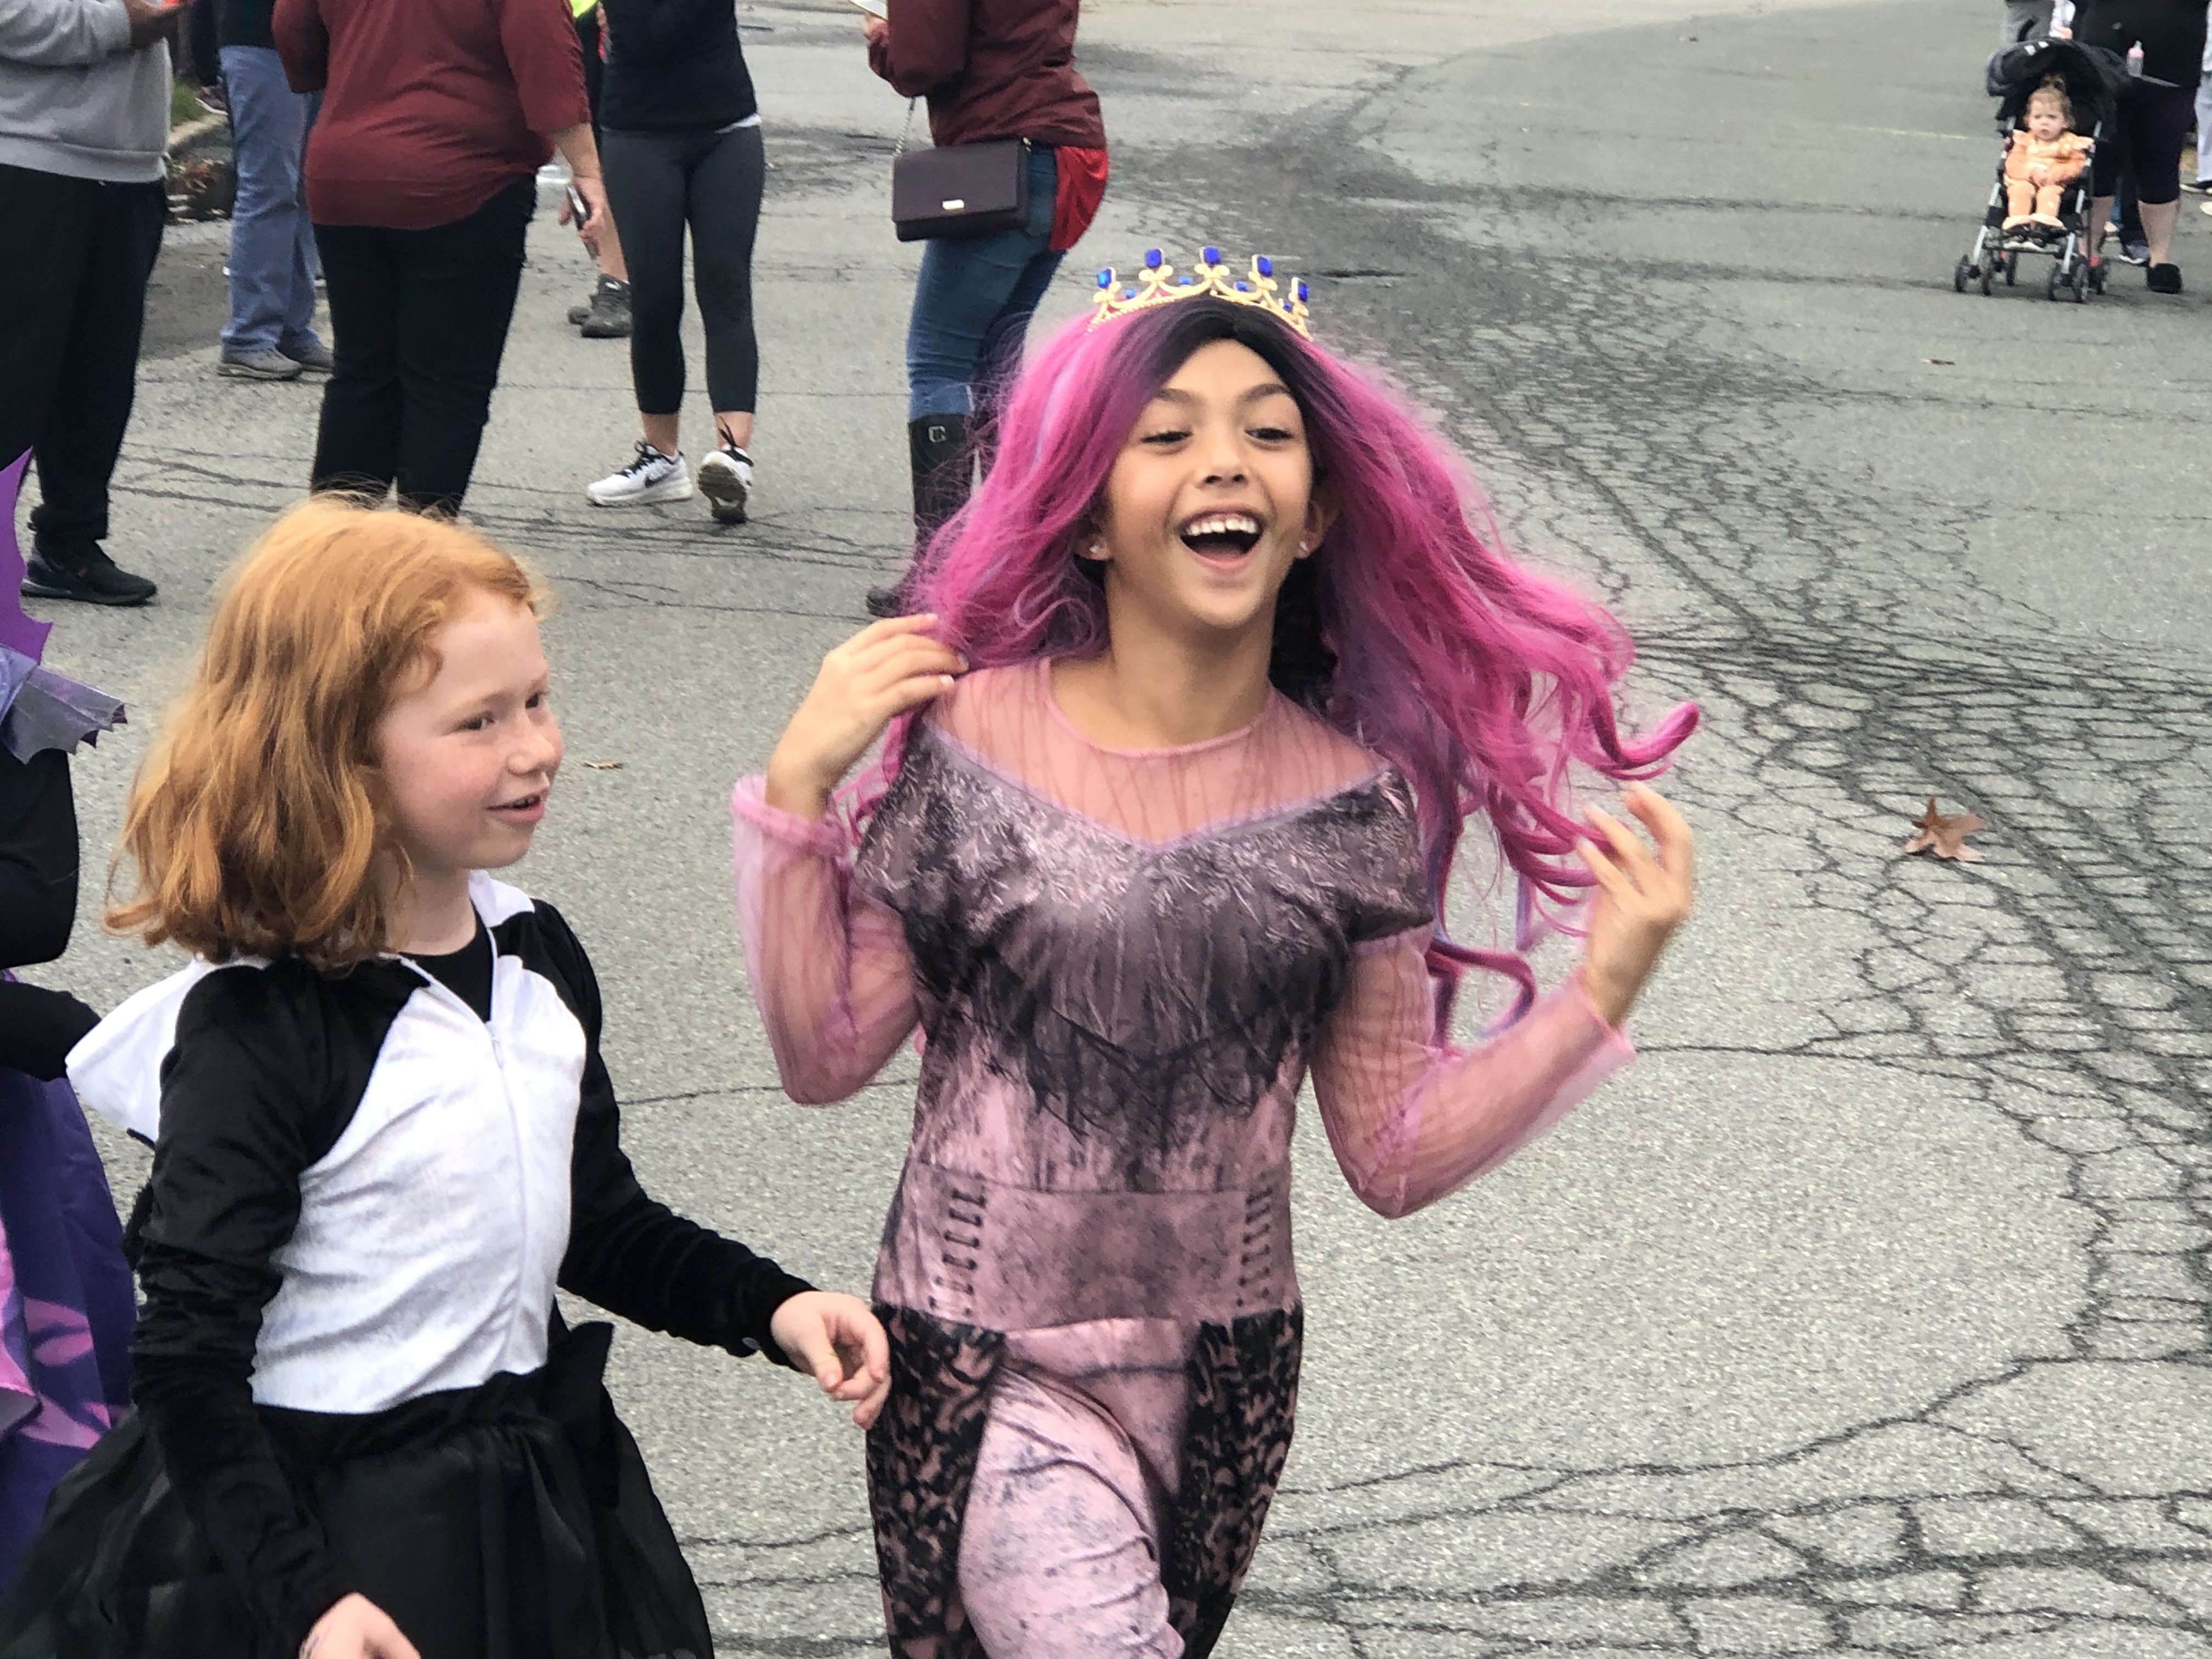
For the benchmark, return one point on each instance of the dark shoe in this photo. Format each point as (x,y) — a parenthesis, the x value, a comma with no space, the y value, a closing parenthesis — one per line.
(607,318)
(83,572)
(2135,253)
(2197,186)
(2164,279)
(578,313)
(314,360)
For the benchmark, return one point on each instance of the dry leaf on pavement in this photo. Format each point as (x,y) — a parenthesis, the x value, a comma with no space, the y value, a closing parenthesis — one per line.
(1945,837)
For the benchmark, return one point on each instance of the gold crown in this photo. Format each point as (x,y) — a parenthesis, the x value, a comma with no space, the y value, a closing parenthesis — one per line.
(1157,284)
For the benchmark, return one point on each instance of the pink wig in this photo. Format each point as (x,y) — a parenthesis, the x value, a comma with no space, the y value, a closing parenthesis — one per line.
(1407,630)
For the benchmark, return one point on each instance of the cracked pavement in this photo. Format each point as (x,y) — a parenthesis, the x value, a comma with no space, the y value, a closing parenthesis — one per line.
(1869,1313)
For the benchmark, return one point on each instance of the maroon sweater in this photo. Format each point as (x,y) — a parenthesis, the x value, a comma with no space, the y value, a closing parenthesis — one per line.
(430,107)
(991,68)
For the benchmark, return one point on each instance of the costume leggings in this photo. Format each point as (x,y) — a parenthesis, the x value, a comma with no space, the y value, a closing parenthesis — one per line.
(657,182)
(1059,1546)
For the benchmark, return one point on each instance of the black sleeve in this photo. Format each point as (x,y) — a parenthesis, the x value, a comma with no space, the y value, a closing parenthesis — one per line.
(38,1027)
(244,1111)
(633,1256)
(38,857)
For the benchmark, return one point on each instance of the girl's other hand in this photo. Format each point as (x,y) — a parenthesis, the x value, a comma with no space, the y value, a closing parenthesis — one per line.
(356,1628)
(1641,899)
(882,671)
(836,1338)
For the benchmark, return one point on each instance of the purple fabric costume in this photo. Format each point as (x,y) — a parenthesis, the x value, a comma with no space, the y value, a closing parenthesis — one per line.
(66,1306)
(1125,964)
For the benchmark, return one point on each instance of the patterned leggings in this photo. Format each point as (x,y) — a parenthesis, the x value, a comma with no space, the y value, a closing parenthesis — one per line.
(1060,1550)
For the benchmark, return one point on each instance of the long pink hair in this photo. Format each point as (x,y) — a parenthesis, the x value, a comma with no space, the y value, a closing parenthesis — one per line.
(1407,630)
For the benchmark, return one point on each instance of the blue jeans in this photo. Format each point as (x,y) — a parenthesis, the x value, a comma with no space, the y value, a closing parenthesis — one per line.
(974,301)
(272,245)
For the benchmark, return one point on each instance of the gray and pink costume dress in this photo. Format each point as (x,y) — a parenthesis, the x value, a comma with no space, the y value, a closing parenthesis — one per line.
(1124,963)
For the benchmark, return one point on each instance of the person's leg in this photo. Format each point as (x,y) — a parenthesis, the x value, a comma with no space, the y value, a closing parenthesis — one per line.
(1060,1544)
(2203,112)
(38,296)
(298,340)
(2105,169)
(457,288)
(723,203)
(267,125)
(88,410)
(357,438)
(646,191)
(2161,132)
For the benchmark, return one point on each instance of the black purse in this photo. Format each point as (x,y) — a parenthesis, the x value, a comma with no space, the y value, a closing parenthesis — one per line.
(959,189)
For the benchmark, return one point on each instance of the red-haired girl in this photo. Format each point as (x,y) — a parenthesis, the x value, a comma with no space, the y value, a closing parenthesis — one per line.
(383,1134)
(1216,668)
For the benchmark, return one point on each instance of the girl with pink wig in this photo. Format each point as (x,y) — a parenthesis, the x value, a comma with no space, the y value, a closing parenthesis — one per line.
(1210,677)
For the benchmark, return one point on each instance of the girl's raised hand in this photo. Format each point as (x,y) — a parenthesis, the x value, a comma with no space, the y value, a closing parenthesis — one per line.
(879,673)
(836,1338)
(1641,900)
(356,1628)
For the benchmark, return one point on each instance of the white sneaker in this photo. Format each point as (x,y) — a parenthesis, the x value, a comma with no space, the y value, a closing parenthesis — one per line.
(725,479)
(652,476)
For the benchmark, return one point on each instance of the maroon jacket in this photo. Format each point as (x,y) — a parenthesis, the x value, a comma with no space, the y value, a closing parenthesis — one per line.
(991,68)
(430,107)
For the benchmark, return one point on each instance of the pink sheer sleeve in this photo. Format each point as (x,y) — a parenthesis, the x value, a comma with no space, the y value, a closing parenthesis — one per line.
(1411,1121)
(828,964)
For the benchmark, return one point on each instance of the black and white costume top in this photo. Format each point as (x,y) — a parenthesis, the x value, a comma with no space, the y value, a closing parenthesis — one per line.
(365,1191)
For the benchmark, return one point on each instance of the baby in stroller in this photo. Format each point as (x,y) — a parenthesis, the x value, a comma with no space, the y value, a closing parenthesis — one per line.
(2054,98)
(2040,161)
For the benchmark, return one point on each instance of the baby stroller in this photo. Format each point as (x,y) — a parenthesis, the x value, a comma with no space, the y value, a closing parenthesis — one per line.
(2093,78)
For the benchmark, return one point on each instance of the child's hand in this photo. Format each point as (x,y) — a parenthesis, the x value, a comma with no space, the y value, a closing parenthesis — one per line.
(356,1628)
(1641,900)
(836,1338)
(882,671)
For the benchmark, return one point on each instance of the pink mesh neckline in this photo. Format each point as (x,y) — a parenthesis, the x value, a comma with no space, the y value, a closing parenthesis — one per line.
(1058,717)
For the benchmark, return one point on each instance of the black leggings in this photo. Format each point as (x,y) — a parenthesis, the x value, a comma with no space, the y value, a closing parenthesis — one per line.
(2146,136)
(656,182)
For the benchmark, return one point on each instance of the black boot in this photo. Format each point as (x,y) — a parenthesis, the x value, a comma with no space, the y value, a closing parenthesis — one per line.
(943,466)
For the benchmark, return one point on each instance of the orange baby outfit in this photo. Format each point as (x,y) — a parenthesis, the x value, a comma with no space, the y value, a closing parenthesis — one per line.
(2061,160)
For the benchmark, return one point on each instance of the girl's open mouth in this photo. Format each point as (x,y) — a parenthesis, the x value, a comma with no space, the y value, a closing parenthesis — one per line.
(529,808)
(1225,537)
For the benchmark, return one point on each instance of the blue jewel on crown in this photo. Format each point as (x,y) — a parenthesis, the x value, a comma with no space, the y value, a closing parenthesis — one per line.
(1158,284)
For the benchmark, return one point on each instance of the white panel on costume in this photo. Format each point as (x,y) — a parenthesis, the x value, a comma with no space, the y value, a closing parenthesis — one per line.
(429,1235)
(116,1066)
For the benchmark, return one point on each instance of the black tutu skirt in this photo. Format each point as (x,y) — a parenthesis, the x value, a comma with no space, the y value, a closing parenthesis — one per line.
(510,1521)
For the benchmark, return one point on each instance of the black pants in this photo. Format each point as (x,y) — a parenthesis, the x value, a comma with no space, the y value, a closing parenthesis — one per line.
(656,181)
(75,306)
(2148,129)
(420,319)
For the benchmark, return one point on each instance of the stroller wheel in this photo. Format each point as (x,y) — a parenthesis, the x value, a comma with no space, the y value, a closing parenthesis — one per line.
(1989,279)
(2012,269)
(2097,276)
(1960,275)
(2080,285)
(2051,287)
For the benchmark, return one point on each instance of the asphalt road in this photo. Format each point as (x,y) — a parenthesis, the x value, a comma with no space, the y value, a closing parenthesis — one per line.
(1868,1313)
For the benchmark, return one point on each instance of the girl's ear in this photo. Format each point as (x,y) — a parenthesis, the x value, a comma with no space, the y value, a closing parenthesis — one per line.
(1321,514)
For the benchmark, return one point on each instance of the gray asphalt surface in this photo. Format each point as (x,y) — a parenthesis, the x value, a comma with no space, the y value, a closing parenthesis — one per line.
(1868,1313)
